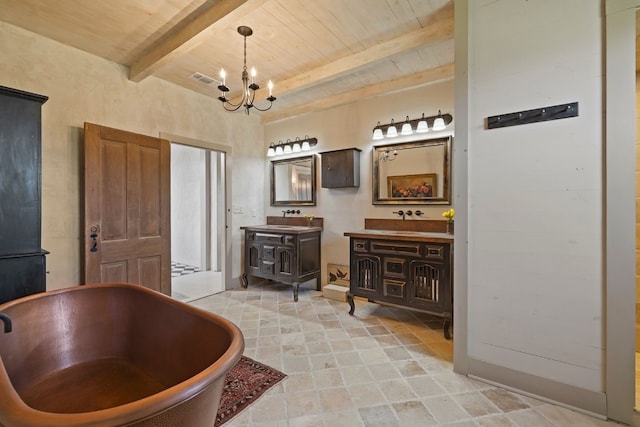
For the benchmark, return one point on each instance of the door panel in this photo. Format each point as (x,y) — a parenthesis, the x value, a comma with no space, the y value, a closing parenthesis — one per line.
(127,208)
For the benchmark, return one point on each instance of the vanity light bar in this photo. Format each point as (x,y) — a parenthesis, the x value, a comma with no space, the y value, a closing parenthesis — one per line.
(290,146)
(408,127)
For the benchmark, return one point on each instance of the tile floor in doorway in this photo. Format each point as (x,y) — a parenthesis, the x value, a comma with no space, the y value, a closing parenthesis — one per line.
(382,367)
(189,287)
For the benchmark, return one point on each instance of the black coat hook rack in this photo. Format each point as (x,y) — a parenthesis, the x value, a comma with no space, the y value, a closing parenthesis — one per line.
(543,114)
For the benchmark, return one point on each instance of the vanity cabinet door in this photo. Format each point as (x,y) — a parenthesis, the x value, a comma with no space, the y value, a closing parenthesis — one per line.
(428,282)
(365,276)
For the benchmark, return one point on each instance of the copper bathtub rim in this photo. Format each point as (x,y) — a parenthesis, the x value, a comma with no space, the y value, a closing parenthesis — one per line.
(14,411)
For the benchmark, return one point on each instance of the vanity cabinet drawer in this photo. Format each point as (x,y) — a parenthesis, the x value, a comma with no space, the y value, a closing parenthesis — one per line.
(394,288)
(394,267)
(434,251)
(396,248)
(268,237)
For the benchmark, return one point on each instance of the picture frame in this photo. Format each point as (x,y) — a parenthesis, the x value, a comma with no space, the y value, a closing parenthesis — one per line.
(338,275)
(422,185)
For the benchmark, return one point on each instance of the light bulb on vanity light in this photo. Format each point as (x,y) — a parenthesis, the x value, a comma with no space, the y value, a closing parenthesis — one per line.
(271,151)
(391,130)
(406,128)
(422,126)
(377,132)
(287,148)
(438,123)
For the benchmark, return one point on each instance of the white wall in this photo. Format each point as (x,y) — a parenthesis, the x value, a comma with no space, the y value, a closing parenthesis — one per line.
(344,209)
(82,87)
(535,197)
(188,205)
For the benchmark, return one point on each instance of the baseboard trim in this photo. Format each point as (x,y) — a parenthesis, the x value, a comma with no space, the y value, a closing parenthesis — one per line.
(589,402)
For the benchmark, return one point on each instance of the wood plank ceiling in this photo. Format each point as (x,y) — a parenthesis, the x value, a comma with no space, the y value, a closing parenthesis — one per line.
(319,54)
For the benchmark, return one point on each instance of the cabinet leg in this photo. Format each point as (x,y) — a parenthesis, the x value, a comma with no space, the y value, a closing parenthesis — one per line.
(445,326)
(296,286)
(244,280)
(351,303)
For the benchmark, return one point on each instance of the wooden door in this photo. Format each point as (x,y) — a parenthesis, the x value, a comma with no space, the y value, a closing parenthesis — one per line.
(127,208)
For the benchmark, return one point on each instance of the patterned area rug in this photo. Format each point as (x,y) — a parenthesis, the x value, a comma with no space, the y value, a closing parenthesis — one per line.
(244,384)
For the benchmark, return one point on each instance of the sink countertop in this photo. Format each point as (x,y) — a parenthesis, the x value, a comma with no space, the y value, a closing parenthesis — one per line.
(292,229)
(404,235)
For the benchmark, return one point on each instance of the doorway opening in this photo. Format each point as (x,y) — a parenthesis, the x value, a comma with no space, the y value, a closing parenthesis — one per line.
(197,222)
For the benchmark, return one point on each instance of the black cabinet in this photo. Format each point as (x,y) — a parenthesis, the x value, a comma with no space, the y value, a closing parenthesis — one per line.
(287,254)
(341,168)
(409,273)
(22,260)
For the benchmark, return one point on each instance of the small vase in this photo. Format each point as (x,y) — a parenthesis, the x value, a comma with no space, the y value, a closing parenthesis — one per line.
(449,227)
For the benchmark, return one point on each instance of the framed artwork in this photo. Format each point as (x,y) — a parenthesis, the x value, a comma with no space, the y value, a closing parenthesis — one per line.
(338,274)
(412,186)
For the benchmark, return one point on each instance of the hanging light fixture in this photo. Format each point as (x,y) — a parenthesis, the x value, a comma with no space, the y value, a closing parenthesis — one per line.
(248,89)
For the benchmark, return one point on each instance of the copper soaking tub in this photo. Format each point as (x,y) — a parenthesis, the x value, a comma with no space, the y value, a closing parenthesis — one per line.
(112,355)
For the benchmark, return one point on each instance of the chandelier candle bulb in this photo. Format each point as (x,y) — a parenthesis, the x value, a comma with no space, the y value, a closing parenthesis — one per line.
(253,74)
(270,85)
(223,76)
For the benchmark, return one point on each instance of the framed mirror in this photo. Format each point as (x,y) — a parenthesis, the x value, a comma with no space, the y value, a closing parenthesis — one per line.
(293,182)
(412,173)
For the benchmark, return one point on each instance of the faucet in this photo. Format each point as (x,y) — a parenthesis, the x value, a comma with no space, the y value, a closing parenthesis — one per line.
(407,213)
(290,211)
(7,323)
(401,213)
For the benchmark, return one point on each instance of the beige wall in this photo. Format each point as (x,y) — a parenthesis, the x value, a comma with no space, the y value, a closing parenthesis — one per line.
(533,280)
(637,213)
(344,209)
(84,88)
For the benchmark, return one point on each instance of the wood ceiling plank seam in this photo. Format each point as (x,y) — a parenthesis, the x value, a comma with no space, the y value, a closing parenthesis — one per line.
(384,50)
(189,36)
(419,79)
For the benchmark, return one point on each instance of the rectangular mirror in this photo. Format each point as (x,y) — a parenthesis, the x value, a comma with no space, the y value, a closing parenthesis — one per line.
(412,173)
(293,182)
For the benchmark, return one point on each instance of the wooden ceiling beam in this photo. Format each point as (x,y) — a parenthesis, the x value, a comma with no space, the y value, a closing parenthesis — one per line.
(432,33)
(422,78)
(188,36)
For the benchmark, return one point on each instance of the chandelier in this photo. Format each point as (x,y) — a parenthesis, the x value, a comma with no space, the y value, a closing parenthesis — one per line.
(248,89)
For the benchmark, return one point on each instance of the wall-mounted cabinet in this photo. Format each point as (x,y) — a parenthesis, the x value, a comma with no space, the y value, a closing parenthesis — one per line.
(341,168)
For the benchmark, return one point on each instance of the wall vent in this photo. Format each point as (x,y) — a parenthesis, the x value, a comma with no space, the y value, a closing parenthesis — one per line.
(202,78)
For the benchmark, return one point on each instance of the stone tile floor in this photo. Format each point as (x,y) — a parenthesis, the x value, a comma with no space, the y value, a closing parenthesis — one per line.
(381,367)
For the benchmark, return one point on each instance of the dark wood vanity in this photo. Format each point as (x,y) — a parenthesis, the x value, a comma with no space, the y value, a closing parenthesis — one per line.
(411,269)
(283,253)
